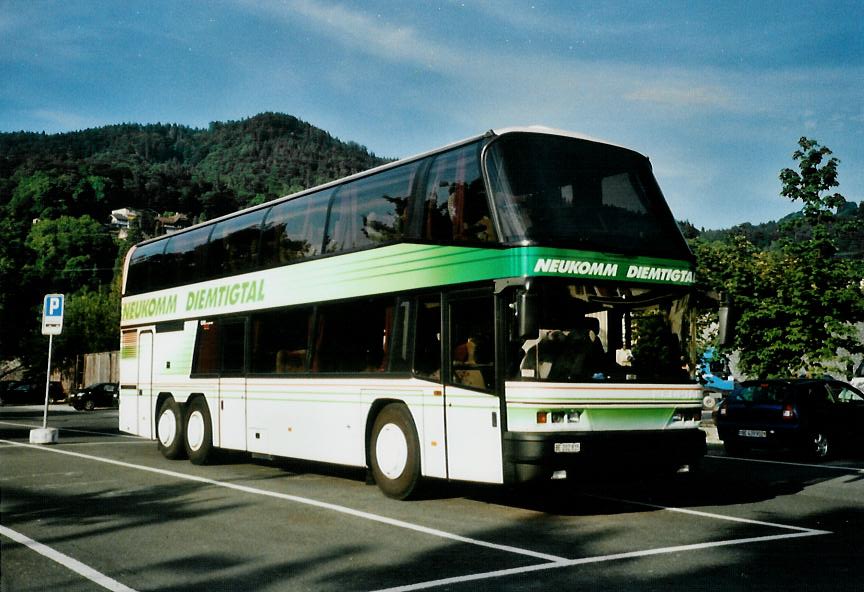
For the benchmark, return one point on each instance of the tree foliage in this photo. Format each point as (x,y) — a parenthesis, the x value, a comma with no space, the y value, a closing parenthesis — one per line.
(798,301)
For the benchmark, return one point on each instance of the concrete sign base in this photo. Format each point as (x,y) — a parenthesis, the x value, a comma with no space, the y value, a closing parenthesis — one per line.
(44,436)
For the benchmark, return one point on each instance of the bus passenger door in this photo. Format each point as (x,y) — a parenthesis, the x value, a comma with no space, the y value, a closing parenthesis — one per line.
(427,365)
(471,406)
(231,422)
(145,384)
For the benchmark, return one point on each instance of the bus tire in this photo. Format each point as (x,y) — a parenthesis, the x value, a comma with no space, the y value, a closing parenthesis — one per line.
(198,432)
(394,452)
(170,429)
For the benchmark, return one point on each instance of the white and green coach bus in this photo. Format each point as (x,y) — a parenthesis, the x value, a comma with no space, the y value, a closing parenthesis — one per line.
(507,308)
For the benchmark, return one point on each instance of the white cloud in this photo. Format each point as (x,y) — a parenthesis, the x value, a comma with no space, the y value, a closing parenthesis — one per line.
(358,30)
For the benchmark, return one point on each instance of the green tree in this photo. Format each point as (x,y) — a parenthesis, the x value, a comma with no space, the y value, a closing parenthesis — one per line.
(809,184)
(90,324)
(68,253)
(15,300)
(798,302)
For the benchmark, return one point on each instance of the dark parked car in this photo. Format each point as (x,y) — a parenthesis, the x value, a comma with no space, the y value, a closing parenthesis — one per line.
(103,394)
(813,416)
(30,393)
(6,386)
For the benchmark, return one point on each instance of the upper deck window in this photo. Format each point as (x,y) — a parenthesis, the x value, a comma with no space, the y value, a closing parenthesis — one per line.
(370,211)
(567,192)
(184,259)
(234,245)
(294,229)
(143,266)
(455,207)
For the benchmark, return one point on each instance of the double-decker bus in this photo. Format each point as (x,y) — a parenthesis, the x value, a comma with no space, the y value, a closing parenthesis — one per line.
(507,308)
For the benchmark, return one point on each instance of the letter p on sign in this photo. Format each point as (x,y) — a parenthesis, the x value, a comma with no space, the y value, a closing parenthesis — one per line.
(52,314)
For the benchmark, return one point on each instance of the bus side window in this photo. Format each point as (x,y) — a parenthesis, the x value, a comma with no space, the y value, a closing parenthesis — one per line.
(279,341)
(427,338)
(233,247)
(472,342)
(206,348)
(184,260)
(354,337)
(400,341)
(370,211)
(456,206)
(233,333)
(294,230)
(144,268)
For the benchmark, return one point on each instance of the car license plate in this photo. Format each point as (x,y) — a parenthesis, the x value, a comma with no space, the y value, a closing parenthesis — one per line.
(753,433)
(568,447)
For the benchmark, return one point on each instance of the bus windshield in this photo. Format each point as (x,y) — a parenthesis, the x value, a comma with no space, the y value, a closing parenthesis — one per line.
(567,192)
(593,332)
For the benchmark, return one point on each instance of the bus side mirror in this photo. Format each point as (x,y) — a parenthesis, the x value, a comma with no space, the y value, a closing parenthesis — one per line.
(726,332)
(527,315)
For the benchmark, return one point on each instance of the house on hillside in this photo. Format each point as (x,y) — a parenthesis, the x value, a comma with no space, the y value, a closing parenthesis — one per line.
(173,223)
(120,220)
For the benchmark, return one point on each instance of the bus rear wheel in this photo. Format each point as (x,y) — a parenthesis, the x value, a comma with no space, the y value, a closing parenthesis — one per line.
(394,452)
(169,430)
(198,432)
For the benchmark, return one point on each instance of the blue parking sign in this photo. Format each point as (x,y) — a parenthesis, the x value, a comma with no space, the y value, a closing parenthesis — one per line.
(52,314)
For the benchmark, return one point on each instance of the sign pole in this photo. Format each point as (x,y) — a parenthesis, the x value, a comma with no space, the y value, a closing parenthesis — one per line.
(47,382)
(52,324)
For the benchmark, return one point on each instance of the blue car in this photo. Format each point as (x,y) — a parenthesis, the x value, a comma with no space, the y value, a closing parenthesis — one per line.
(816,417)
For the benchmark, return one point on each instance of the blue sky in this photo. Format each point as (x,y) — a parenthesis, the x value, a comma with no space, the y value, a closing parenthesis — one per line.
(715,93)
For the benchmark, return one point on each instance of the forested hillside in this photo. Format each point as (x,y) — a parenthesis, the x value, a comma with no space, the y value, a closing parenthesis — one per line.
(71,182)
(169,167)
(849,231)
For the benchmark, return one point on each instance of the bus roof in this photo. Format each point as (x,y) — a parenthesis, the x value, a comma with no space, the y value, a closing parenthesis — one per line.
(535,129)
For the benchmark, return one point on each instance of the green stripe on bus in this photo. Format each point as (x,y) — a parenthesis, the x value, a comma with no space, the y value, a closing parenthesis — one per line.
(392,269)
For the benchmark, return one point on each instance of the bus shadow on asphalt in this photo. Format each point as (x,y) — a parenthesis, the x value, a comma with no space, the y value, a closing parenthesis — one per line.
(599,494)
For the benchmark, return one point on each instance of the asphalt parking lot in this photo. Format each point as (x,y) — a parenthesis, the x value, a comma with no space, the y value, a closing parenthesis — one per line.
(103,510)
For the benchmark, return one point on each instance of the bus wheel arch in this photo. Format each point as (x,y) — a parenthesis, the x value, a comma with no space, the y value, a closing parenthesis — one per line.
(198,431)
(394,451)
(170,427)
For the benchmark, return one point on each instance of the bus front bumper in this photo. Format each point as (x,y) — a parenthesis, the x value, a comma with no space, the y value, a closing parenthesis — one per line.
(530,456)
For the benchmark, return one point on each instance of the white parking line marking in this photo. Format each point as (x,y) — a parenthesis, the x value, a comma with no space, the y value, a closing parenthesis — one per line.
(301,500)
(791,464)
(66,561)
(587,560)
(711,515)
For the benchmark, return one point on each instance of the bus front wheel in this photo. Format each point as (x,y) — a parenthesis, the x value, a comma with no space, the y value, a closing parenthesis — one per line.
(198,432)
(394,452)
(169,430)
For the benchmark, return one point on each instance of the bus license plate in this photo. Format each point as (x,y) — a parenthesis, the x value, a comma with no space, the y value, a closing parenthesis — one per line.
(753,433)
(568,447)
